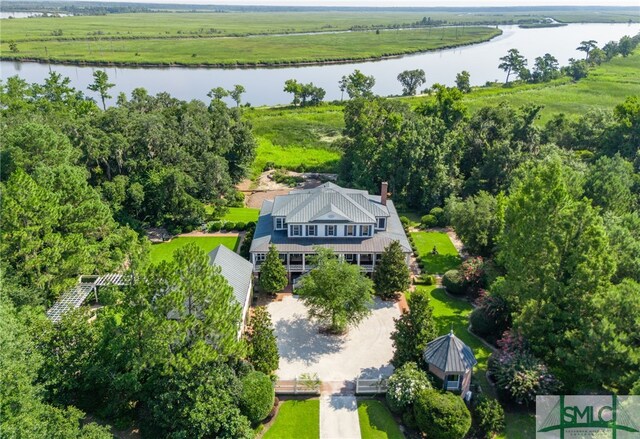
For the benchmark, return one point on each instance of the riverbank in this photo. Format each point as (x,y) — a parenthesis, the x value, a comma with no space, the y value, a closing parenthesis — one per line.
(254,52)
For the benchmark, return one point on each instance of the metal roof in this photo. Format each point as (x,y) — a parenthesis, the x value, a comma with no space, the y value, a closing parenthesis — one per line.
(329,201)
(264,236)
(237,270)
(449,354)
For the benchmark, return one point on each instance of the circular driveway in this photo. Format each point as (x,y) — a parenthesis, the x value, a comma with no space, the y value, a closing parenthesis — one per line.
(365,350)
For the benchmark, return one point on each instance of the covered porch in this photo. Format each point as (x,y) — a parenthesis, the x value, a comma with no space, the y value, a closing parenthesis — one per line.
(302,262)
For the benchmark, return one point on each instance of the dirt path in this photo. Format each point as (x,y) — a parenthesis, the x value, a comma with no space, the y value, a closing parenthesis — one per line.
(201,234)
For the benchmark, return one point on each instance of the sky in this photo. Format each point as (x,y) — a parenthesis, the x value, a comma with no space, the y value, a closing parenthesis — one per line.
(405,3)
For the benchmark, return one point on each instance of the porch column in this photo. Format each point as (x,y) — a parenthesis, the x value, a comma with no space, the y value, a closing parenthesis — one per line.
(304,257)
(373,259)
(358,258)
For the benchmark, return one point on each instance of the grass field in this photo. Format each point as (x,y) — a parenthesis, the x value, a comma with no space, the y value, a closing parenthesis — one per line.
(164,251)
(447,257)
(262,50)
(296,419)
(376,421)
(241,214)
(178,24)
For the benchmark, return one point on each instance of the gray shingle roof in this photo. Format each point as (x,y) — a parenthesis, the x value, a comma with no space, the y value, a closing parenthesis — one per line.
(449,354)
(352,205)
(237,270)
(264,235)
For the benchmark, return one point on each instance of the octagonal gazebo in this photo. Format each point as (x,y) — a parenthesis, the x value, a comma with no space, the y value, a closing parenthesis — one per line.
(452,361)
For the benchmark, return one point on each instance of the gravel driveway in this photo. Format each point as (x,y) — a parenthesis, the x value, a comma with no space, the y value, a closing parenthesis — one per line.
(365,349)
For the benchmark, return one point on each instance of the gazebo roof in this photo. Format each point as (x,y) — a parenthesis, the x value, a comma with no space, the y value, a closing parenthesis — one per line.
(449,354)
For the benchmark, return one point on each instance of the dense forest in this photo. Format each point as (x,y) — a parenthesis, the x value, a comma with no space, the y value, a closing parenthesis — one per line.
(552,211)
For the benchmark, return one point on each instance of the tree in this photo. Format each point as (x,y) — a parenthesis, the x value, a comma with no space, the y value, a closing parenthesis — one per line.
(357,85)
(441,415)
(101,85)
(577,69)
(218,93)
(411,80)
(335,292)
(463,81)
(545,69)
(554,249)
(610,49)
(587,46)
(512,62)
(236,93)
(257,396)
(294,87)
(23,412)
(261,340)
(624,239)
(477,220)
(273,274)
(413,330)
(609,185)
(626,46)
(311,95)
(391,273)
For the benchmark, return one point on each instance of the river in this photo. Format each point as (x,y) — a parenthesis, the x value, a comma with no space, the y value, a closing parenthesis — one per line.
(264,85)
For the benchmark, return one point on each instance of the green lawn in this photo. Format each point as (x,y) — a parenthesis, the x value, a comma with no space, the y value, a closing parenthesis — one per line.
(240,214)
(296,419)
(453,313)
(447,257)
(294,158)
(164,251)
(376,421)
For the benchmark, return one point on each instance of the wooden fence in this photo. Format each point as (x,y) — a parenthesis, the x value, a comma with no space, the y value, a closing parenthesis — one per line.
(297,386)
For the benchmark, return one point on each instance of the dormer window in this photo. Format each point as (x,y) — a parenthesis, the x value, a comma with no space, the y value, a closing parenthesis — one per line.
(330,230)
(279,223)
(382,223)
(295,230)
(312,230)
(349,230)
(365,230)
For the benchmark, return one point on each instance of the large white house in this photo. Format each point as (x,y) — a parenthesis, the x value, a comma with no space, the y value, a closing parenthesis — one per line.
(357,226)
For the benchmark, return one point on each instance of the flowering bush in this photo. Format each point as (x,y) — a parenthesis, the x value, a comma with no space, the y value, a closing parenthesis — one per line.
(404,385)
(518,372)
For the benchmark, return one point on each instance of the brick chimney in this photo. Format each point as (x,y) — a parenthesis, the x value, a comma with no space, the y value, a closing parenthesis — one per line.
(384,188)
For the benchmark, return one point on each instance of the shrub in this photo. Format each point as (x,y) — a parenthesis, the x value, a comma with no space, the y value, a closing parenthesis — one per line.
(473,272)
(229,225)
(428,221)
(409,420)
(488,416)
(404,386)
(518,373)
(214,226)
(438,214)
(405,222)
(428,279)
(441,415)
(257,396)
(251,225)
(481,323)
(237,200)
(269,166)
(454,282)
(240,226)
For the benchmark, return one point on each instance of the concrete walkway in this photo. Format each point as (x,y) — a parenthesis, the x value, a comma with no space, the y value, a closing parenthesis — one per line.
(339,417)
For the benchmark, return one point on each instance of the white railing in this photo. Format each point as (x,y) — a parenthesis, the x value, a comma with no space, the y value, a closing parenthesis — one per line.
(371,386)
(297,386)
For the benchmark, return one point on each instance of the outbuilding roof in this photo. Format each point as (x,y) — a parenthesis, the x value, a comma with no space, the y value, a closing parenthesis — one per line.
(449,354)
(236,269)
